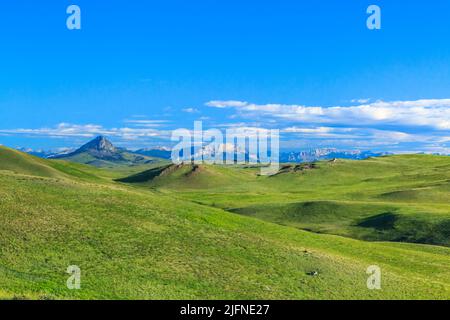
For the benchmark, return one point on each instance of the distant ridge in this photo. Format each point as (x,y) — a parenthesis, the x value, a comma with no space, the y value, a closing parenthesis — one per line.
(100,152)
(161,152)
(328,154)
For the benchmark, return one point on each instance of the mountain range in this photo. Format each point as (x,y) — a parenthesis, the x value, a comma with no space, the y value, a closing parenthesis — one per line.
(159,152)
(101,152)
(327,154)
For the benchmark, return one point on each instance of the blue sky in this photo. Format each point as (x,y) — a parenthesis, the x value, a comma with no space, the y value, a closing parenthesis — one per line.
(138,69)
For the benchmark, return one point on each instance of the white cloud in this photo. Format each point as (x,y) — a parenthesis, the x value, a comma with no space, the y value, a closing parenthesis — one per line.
(317,130)
(146,122)
(191,110)
(398,125)
(433,113)
(368,134)
(361,101)
(365,138)
(226,104)
(63,130)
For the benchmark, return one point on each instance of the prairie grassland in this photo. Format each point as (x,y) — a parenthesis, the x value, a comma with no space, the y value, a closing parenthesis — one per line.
(161,241)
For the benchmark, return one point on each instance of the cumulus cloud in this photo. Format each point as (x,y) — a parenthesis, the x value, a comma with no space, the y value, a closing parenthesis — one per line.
(351,138)
(370,135)
(226,104)
(64,130)
(316,130)
(433,113)
(421,125)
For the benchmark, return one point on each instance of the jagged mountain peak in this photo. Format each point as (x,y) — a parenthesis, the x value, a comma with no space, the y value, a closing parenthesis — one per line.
(100,144)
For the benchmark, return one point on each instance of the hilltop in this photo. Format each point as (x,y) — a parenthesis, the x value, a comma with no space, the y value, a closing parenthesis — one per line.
(19,162)
(189,176)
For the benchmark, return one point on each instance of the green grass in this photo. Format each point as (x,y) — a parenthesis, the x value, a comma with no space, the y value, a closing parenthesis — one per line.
(188,176)
(18,162)
(136,242)
(342,198)
(124,159)
(365,221)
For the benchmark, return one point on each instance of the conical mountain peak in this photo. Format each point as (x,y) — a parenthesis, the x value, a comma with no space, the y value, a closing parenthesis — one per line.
(100,144)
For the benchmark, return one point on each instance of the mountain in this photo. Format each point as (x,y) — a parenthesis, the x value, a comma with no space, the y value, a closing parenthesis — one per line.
(285,157)
(160,152)
(100,152)
(102,149)
(45,154)
(100,145)
(327,154)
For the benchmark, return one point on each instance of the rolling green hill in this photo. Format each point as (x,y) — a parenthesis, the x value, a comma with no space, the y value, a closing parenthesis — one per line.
(397,198)
(125,158)
(156,243)
(21,163)
(189,176)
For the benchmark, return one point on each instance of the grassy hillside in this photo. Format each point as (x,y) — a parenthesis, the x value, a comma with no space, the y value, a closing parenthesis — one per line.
(190,176)
(137,243)
(18,162)
(365,220)
(397,198)
(126,159)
